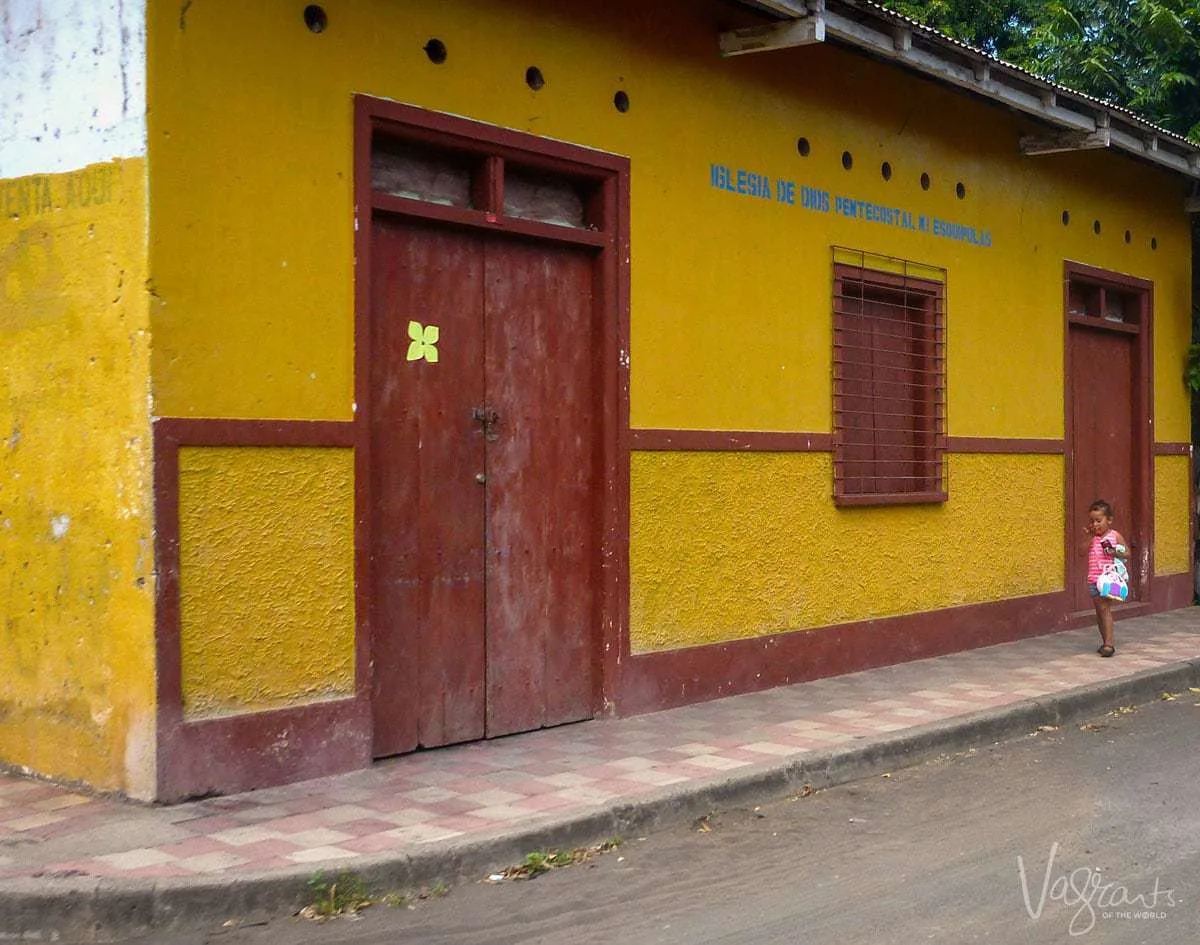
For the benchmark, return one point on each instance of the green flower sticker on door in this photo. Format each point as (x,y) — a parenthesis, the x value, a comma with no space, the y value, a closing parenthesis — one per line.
(423,346)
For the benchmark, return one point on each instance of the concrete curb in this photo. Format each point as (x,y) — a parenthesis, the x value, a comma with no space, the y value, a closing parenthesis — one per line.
(83,910)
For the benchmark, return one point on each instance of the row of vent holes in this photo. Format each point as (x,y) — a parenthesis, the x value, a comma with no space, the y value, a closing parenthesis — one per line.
(435,49)
(317,20)
(1066,218)
(885,169)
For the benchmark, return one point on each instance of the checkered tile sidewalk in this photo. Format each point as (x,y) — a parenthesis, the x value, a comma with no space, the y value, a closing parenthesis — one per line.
(471,790)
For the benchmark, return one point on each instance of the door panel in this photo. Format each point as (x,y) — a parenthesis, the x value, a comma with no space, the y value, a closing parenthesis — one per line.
(542,376)
(1102,442)
(485,485)
(428,597)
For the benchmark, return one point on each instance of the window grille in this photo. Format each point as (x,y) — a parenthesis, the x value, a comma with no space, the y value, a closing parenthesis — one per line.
(889,381)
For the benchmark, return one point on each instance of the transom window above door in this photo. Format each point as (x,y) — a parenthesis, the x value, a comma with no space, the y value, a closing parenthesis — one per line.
(1102,302)
(467,181)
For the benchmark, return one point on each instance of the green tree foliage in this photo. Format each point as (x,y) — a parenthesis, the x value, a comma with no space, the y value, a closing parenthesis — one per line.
(993,27)
(1140,54)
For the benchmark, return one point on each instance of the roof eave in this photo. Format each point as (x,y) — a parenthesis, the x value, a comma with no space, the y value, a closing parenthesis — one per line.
(1078,120)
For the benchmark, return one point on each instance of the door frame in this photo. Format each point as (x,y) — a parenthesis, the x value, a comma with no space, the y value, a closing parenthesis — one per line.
(1142,406)
(608,211)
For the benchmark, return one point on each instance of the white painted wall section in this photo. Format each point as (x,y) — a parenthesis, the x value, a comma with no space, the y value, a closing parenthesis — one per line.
(72,84)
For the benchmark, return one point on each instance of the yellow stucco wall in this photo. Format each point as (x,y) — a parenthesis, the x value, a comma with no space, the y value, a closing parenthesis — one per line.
(252,257)
(251,141)
(76,566)
(732,545)
(1172,514)
(266,577)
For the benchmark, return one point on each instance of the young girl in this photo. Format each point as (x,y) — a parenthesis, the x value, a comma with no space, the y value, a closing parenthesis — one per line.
(1105,546)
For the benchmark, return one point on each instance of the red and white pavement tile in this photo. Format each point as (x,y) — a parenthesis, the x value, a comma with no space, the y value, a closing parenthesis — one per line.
(427,797)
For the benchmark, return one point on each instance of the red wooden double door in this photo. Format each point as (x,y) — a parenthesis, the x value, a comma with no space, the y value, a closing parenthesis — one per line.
(485,456)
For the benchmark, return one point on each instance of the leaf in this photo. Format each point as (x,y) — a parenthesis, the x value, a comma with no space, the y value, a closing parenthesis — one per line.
(1170,80)
(424,342)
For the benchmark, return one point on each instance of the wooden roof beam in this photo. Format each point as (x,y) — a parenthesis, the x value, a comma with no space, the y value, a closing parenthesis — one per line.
(1061,141)
(783,8)
(801,31)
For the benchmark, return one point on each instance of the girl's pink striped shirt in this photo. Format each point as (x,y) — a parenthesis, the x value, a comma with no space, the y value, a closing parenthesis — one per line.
(1097,556)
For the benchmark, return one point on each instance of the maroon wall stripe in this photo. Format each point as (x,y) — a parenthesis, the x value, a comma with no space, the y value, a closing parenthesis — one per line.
(654,681)
(788,442)
(750,441)
(679,677)
(725,440)
(223,755)
(226,755)
(999,444)
(213,431)
(617,447)
(166,610)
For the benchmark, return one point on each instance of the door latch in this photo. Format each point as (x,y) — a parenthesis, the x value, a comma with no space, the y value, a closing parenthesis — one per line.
(489,419)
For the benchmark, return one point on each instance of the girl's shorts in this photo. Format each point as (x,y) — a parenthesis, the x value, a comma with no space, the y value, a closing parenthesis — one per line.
(1093,590)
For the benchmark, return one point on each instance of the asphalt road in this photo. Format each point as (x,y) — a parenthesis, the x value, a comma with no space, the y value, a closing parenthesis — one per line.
(1102,821)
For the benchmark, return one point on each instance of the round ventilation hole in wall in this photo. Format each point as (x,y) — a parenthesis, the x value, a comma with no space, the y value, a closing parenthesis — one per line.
(315,18)
(435,49)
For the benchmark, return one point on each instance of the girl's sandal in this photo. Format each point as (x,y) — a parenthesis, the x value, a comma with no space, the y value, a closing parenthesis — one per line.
(1106,650)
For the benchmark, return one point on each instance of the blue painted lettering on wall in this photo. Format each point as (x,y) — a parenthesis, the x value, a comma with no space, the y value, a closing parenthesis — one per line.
(874,212)
(813,199)
(740,181)
(789,193)
(958,231)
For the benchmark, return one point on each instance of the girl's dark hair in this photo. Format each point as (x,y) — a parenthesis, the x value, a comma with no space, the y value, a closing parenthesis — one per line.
(1101,506)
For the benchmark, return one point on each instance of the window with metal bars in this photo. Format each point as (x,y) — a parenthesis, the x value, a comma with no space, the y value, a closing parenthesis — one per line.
(889,381)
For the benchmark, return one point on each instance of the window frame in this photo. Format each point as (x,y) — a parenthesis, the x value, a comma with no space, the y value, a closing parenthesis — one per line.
(862,282)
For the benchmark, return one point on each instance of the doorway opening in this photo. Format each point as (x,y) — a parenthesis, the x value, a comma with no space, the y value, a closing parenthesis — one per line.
(1108,420)
(487,380)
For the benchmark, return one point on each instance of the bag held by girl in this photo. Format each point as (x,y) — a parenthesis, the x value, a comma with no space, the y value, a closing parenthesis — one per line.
(1113,581)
